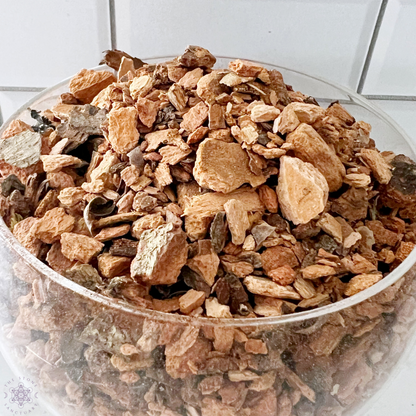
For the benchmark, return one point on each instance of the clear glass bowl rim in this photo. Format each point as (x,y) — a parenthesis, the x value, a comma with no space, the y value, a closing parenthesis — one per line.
(8,238)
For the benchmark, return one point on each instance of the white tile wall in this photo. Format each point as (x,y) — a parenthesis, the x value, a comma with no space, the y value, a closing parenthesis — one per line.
(45,41)
(393,65)
(10,101)
(325,38)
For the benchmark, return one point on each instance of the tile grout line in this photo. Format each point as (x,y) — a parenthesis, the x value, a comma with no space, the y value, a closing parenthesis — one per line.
(113,29)
(390,97)
(372,46)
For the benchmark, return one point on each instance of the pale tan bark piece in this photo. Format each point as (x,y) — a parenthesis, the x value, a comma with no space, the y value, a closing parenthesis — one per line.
(266,287)
(161,254)
(126,65)
(214,309)
(201,209)
(206,262)
(15,127)
(54,163)
(173,154)
(168,136)
(237,218)
(302,190)
(380,168)
(177,97)
(88,83)
(52,225)
(286,122)
(309,146)
(107,234)
(263,113)
(190,79)
(195,117)
(245,68)
(140,86)
(122,131)
(111,266)
(307,113)
(316,271)
(191,300)
(223,167)
(331,226)
(361,282)
(147,111)
(255,346)
(22,232)
(209,87)
(80,247)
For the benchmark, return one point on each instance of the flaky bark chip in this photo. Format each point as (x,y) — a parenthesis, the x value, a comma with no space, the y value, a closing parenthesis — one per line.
(302,190)
(223,167)
(88,83)
(122,131)
(161,254)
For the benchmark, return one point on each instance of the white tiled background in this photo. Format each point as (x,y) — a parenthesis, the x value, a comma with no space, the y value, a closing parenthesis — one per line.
(366,45)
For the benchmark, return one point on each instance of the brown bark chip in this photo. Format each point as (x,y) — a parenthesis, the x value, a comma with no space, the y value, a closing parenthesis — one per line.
(195,117)
(276,257)
(122,131)
(161,254)
(266,287)
(302,190)
(88,83)
(360,282)
(80,247)
(223,167)
(191,300)
(110,266)
(237,219)
(52,225)
(310,147)
(380,168)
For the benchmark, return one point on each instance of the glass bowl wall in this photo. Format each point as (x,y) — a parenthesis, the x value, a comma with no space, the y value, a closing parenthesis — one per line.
(91,355)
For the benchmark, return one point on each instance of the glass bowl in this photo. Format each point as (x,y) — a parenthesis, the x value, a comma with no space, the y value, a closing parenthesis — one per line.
(92,355)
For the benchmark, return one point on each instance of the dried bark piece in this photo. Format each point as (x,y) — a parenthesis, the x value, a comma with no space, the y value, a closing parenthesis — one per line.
(216,118)
(54,163)
(52,225)
(190,79)
(286,122)
(269,198)
(357,180)
(278,256)
(123,247)
(122,131)
(310,147)
(380,168)
(255,346)
(209,88)
(71,196)
(262,231)
(108,234)
(245,68)
(85,275)
(161,254)
(173,154)
(215,310)
(284,275)
(361,282)
(191,300)
(87,83)
(331,226)
(140,86)
(268,153)
(56,260)
(266,306)
(168,136)
(219,231)
(80,247)
(237,218)
(21,150)
(358,264)
(352,204)
(307,113)
(177,97)
(223,339)
(302,190)
(223,167)
(110,266)
(148,222)
(195,117)
(147,111)
(15,127)
(206,262)
(381,234)
(405,248)
(262,113)
(162,176)
(232,79)
(316,271)
(113,59)
(126,65)
(22,232)
(195,56)
(266,287)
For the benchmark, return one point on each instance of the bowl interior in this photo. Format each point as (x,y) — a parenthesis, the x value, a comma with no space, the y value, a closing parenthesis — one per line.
(386,133)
